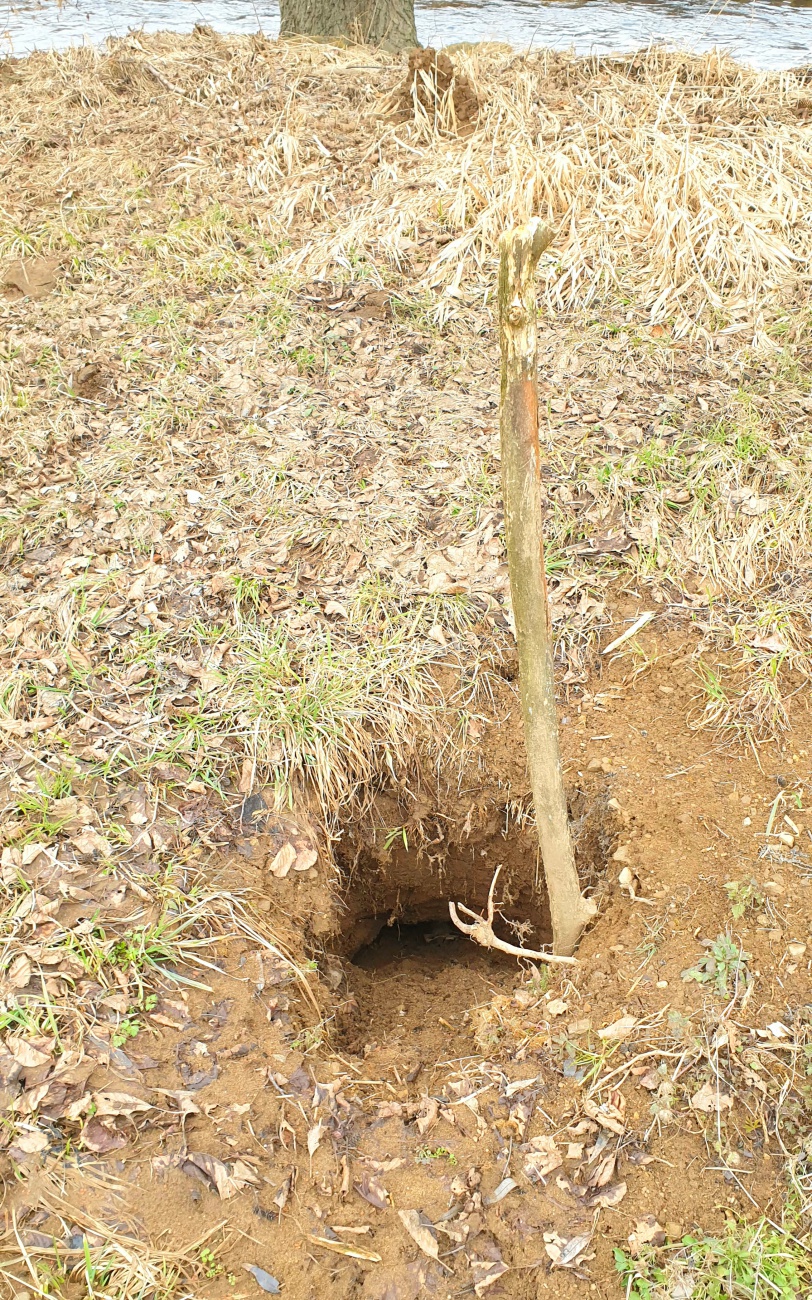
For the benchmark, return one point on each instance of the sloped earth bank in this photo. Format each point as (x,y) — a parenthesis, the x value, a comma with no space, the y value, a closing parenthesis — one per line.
(258,709)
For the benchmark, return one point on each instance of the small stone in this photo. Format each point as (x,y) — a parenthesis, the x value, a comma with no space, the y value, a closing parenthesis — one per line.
(621,854)
(557,1007)
(613,805)
(747,821)
(673,1229)
(786,838)
(775,935)
(594,765)
(796,950)
(662,984)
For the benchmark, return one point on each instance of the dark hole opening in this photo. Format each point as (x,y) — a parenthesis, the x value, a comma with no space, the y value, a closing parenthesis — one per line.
(436,942)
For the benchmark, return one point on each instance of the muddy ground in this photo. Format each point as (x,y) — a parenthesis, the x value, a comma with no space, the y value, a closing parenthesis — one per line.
(259,716)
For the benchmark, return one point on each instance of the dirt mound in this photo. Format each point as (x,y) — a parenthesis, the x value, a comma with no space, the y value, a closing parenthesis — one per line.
(434,89)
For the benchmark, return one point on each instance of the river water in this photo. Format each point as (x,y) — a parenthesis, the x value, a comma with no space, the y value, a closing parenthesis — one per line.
(765,33)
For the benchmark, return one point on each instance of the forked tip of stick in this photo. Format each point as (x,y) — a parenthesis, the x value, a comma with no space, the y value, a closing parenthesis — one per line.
(532,235)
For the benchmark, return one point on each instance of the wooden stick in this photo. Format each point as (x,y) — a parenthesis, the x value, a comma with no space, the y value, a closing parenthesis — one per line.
(520,250)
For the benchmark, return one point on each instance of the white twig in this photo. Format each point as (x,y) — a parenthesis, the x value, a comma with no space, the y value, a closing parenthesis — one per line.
(630,632)
(481,931)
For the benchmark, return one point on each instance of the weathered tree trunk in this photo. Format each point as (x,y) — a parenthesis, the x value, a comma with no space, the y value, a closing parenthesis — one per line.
(388,23)
(521,486)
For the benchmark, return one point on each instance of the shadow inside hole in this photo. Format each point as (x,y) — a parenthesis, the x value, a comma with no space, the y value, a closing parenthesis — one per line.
(436,942)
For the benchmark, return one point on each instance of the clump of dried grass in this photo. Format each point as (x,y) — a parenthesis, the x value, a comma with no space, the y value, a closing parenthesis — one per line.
(679,183)
(81,1253)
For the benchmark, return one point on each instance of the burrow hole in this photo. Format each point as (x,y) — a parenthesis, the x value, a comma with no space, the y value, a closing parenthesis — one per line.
(409,979)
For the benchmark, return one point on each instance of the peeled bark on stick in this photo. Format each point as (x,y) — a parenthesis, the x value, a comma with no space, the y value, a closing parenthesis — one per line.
(521,487)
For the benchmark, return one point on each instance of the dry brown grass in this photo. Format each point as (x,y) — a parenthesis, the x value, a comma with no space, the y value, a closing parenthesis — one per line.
(347,534)
(681,184)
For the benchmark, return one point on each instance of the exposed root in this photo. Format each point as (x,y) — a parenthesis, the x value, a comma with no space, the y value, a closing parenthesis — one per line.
(482,932)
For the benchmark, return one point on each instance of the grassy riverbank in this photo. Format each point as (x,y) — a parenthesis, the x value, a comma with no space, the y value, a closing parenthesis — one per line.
(255,595)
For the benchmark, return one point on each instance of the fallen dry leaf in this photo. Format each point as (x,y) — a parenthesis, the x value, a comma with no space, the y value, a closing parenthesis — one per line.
(421,1231)
(710,1100)
(119,1103)
(280,1199)
(314,1136)
(89,842)
(283,861)
(775,644)
(19,972)
(619,1029)
(98,1139)
(651,1080)
(609,1114)
(373,1191)
(305,859)
(264,1280)
(31,852)
(544,1156)
(608,1197)
(484,1272)
(566,1252)
(647,1231)
(499,1193)
(31,1143)
(227,1182)
(603,1171)
(429,1114)
(27,1053)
